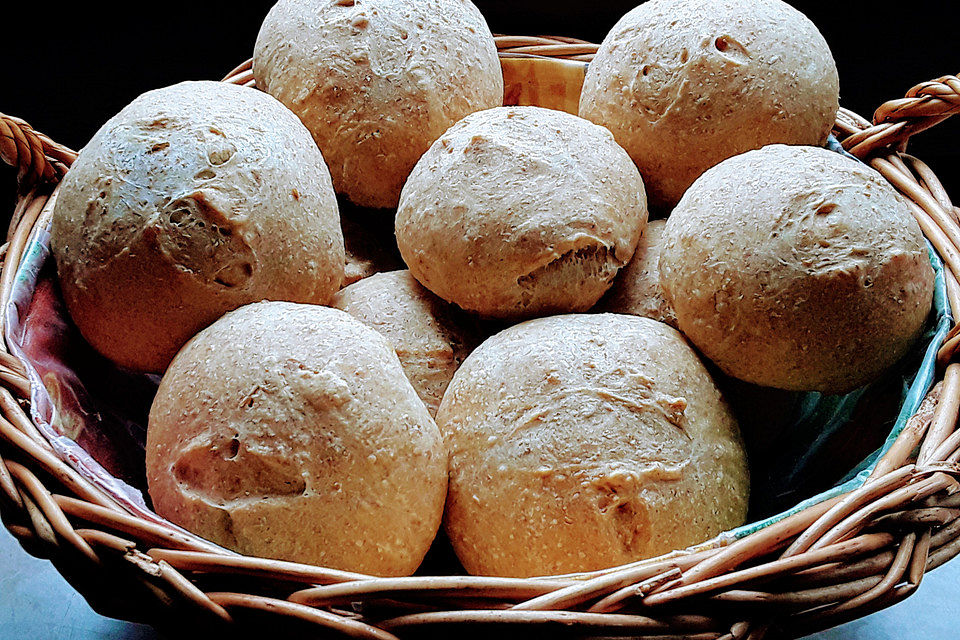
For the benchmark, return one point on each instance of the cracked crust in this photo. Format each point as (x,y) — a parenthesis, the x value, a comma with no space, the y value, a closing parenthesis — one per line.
(521,211)
(289,431)
(684,84)
(797,268)
(193,200)
(581,442)
(377,81)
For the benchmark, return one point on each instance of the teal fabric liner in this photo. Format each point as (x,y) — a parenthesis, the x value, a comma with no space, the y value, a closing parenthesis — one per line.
(830,413)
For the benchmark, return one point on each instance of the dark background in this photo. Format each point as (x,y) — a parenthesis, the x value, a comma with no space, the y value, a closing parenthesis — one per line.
(66,69)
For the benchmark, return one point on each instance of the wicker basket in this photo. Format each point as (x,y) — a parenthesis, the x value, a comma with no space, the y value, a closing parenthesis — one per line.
(834,561)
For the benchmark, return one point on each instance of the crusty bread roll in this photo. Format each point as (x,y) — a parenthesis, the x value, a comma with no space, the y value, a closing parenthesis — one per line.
(377,81)
(684,84)
(797,268)
(521,211)
(636,289)
(289,431)
(581,442)
(193,200)
(431,336)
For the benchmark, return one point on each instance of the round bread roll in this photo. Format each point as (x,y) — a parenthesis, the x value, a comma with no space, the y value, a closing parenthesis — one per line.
(289,431)
(193,200)
(636,289)
(797,268)
(521,211)
(581,442)
(430,336)
(684,84)
(377,81)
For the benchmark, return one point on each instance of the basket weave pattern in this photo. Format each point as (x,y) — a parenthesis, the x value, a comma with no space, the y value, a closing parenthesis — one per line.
(838,560)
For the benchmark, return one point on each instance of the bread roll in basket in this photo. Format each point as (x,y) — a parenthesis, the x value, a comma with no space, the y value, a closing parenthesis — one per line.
(860,547)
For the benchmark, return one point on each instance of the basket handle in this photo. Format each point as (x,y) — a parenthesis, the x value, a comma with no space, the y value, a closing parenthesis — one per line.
(37,158)
(925,105)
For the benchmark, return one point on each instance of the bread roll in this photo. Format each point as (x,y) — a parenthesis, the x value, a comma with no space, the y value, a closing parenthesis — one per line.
(431,337)
(377,81)
(581,442)
(289,431)
(684,84)
(193,200)
(521,211)
(797,268)
(636,289)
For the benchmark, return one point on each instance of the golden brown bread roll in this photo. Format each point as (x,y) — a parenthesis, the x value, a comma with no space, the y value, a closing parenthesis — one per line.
(193,200)
(636,289)
(684,84)
(377,81)
(521,211)
(431,337)
(290,431)
(797,268)
(581,442)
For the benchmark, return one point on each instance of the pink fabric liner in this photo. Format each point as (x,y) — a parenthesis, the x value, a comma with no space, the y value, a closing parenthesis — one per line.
(93,414)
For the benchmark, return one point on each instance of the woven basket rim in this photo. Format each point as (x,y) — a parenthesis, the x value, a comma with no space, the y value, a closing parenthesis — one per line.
(834,561)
